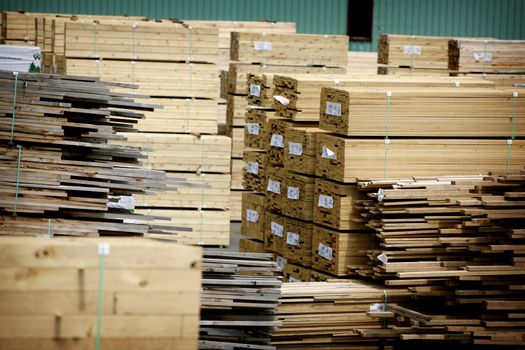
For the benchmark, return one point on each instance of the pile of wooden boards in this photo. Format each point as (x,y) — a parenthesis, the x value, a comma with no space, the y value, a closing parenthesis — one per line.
(72,293)
(500,61)
(240,295)
(457,244)
(321,315)
(259,56)
(63,173)
(181,138)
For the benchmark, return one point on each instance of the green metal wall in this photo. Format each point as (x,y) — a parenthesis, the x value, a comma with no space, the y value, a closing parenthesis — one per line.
(488,18)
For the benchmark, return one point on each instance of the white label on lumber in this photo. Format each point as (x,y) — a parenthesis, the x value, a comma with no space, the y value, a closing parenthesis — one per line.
(293,280)
(293,192)
(104,249)
(296,149)
(281,262)
(325,201)
(325,251)
(293,238)
(255,90)
(252,167)
(380,195)
(333,108)
(277,141)
(262,45)
(253,128)
(282,100)
(328,153)
(412,50)
(252,215)
(274,186)
(121,202)
(383,258)
(277,229)
(377,307)
(482,56)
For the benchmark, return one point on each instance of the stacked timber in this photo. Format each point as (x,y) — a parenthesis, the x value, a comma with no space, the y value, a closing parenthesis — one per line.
(362,63)
(240,294)
(321,315)
(182,138)
(457,244)
(62,294)
(253,97)
(63,171)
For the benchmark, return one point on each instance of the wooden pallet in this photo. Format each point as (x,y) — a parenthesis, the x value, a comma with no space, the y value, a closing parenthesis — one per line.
(336,205)
(190,190)
(307,49)
(254,171)
(65,275)
(422,112)
(300,149)
(253,215)
(193,80)
(346,160)
(298,196)
(179,152)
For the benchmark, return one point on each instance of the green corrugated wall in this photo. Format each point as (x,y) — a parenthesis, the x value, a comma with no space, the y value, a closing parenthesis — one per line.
(488,18)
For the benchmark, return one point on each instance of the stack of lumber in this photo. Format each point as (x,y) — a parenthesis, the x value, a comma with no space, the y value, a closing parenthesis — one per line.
(364,63)
(321,315)
(456,241)
(240,294)
(62,166)
(182,138)
(302,92)
(59,293)
(275,53)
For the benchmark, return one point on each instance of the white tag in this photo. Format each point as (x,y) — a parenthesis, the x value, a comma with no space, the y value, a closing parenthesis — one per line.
(293,238)
(255,90)
(277,141)
(377,307)
(282,100)
(252,215)
(509,142)
(121,202)
(293,280)
(293,192)
(482,56)
(333,108)
(325,251)
(328,154)
(274,186)
(383,258)
(412,50)
(253,128)
(262,45)
(515,94)
(380,195)
(103,249)
(281,262)
(325,201)
(277,229)
(252,167)
(295,148)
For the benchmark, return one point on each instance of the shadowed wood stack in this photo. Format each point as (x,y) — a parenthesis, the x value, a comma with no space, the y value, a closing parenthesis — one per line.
(63,289)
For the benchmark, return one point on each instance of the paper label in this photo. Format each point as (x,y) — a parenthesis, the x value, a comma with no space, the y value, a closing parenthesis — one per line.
(262,45)
(325,201)
(325,251)
(412,50)
(293,280)
(276,229)
(252,167)
(121,202)
(295,148)
(252,215)
(380,195)
(293,238)
(103,249)
(328,154)
(277,141)
(281,262)
(255,90)
(293,192)
(383,258)
(282,100)
(482,56)
(274,186)
(377,307)
(333,108)
(253,128)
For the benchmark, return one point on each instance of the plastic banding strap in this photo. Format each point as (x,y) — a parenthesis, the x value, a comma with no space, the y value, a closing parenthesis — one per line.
(484,57)
(513,135)
(201,213)
(133,57)
(387,131)
(49,232)
(385,304)
(13,113)
(100,306)
(17,188)
(189,99)
(412,55)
